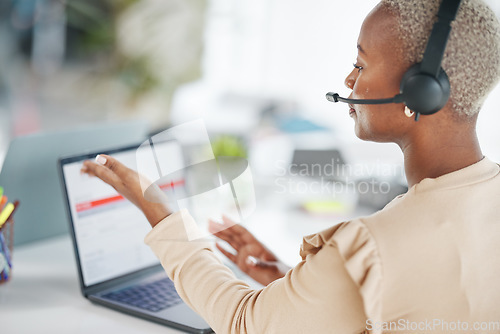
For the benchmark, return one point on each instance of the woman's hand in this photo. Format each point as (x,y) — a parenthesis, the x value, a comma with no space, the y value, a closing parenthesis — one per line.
(252,257)
(127,182)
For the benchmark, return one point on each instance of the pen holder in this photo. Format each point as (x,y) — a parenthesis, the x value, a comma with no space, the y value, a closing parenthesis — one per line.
(6,250)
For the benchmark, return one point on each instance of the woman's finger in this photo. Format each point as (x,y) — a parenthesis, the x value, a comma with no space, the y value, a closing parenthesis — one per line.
(103,173)
(227,254)
(231,241)
(225,233)
(215,227)
(112,164)
(234,231)
(238,231)
(85,170)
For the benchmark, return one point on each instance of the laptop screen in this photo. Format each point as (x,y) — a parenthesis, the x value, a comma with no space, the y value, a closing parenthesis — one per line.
(109,231)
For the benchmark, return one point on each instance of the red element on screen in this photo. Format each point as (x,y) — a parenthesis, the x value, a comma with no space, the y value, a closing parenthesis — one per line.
(108,200)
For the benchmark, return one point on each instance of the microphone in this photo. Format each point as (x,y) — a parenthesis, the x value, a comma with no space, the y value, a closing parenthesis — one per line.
(334,97)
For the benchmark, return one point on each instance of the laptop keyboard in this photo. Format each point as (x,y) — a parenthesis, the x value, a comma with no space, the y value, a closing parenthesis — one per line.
(154,297)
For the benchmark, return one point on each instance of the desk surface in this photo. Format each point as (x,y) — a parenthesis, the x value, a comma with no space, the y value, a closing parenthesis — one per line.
(44,295)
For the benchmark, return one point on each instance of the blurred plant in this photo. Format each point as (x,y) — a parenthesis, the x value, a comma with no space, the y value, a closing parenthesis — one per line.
(91,25)
(92,33)
(144,44)
(228,146)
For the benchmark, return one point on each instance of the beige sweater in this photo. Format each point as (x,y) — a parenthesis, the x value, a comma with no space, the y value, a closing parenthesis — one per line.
(429,262)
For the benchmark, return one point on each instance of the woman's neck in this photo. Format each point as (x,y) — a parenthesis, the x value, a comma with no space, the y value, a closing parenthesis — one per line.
(435,152)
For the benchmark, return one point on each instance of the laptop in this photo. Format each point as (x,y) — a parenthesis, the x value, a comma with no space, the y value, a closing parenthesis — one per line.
(116,268)
(29,172)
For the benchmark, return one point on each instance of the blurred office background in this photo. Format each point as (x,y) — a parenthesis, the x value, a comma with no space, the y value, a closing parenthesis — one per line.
(254,69)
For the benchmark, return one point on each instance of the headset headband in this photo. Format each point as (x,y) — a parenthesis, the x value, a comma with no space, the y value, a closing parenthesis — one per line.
(438,39)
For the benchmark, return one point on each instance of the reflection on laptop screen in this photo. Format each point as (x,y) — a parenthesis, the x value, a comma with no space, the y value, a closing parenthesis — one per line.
(109,230)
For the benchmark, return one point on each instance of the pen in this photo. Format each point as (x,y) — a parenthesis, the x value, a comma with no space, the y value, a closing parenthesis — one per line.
(6,252)
(4,268)
(3,201)
(9,208)
(3,264)
(16,204)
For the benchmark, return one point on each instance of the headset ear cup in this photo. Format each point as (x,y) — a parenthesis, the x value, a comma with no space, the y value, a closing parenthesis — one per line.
(424,93)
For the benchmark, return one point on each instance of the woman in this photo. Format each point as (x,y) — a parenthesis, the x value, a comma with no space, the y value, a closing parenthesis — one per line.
(427,262)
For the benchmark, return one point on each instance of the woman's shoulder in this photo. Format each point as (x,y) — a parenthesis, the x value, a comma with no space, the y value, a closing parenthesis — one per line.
(353,242)
(345,233)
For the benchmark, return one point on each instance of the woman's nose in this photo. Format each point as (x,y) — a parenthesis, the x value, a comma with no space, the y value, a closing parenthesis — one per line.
(350,80)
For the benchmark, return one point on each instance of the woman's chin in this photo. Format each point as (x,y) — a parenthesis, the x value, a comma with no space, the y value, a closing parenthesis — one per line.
(358,131)
(365,135)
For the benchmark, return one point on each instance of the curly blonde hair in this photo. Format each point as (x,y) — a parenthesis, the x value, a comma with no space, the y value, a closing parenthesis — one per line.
(472,56)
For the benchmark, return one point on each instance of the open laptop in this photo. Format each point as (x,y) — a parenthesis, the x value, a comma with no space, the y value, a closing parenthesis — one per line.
(116,269)
(29,172)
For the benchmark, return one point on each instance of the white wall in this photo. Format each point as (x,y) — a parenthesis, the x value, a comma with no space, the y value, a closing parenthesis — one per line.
(296,50)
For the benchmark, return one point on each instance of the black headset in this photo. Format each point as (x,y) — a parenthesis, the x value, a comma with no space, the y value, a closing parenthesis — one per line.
(425,87)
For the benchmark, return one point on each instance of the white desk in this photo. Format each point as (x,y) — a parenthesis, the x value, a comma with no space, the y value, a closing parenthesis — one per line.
(43,295)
